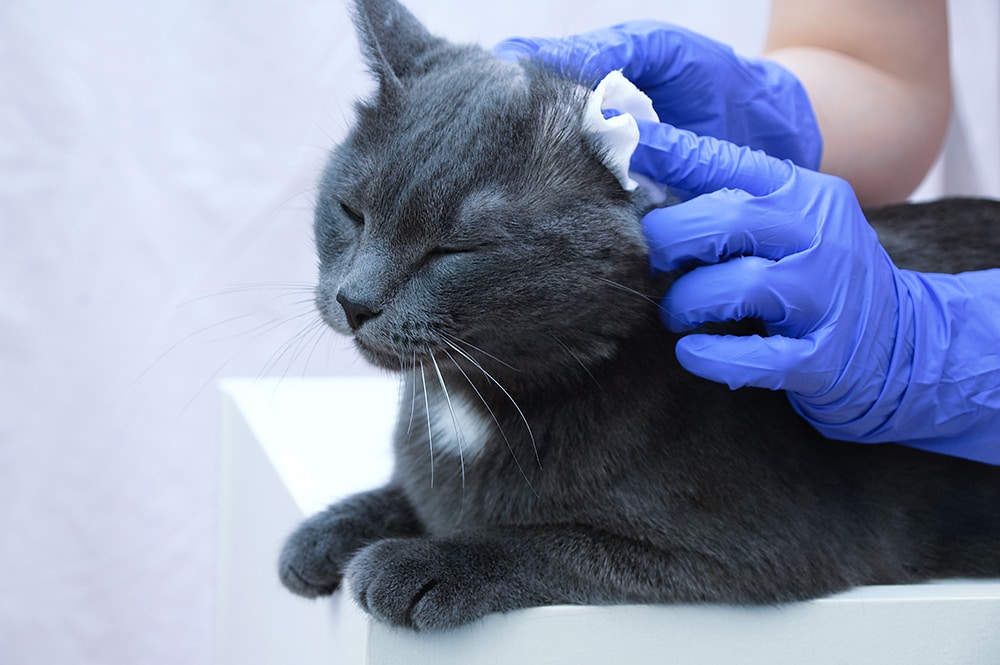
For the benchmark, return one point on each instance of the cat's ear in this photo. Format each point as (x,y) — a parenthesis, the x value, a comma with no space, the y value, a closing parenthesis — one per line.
(393,42)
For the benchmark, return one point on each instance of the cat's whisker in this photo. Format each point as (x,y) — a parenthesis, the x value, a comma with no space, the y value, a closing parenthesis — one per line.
(313,322)
(413,393)
(475,362)
(182,341)
(209,381)
(628,289)
(293,348)
(427,409)
(262,328)
(454,419)
(255,332)
(310,314)
(489,410)
(476,348)
(291,289)
(577,359)
(312,340)
(286,289)
(258,330)
(401,389)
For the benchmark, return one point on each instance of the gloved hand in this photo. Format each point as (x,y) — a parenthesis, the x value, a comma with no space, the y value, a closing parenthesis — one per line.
(866,351)
(695,83)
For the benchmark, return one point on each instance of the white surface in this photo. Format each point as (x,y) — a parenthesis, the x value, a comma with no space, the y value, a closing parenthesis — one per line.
(283,462)
(155,158)
(265,492)
(903,626)
(326,438)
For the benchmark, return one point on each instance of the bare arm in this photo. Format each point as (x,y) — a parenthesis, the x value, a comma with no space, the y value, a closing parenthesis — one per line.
(877,74)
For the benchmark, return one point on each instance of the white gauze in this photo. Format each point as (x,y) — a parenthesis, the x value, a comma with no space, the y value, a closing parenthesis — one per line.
(619,135)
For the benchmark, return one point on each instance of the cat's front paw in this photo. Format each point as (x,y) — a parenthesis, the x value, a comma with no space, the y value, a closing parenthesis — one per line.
(315,555)
(312,561)
(429,585)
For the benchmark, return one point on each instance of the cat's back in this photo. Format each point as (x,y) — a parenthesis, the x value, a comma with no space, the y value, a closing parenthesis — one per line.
(950,235)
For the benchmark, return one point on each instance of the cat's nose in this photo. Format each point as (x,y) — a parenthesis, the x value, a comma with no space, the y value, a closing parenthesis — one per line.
(357,312)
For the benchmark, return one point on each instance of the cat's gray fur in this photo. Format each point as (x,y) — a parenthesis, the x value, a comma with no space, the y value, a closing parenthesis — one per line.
(549,449)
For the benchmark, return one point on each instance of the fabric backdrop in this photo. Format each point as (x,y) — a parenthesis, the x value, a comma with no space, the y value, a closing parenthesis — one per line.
(157,170)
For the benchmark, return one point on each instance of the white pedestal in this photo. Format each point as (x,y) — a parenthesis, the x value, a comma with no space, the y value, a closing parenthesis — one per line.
(292,447)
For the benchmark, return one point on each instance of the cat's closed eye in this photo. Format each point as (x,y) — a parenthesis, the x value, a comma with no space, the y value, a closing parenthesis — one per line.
(352,214)
(446,250)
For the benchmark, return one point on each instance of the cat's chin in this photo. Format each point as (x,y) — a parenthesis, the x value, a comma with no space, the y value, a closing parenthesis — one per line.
(392,359)
(380,358)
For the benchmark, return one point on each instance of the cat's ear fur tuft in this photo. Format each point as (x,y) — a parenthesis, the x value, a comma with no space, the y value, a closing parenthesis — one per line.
(393,42)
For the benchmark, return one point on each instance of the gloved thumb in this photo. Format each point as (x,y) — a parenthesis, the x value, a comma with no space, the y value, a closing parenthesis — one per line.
(702,164)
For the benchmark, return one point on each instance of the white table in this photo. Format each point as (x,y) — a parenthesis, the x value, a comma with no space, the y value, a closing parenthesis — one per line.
(292,447)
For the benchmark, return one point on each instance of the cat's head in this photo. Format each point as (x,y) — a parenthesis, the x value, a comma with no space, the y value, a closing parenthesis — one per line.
(468,213)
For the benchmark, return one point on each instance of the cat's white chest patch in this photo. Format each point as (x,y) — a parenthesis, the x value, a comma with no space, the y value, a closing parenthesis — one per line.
(457,427)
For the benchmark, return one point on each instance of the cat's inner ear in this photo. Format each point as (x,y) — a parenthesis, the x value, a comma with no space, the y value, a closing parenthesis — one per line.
(393,42)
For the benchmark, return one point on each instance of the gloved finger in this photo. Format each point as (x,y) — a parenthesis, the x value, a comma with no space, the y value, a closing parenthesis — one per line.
(580,58)
(649,53)
(730,291)
(590,56)
(775,363)
(714,227)
(516,48)
(702,164)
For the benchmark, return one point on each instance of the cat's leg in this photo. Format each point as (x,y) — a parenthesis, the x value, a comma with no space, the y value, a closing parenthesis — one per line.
(315,555)
(431,584)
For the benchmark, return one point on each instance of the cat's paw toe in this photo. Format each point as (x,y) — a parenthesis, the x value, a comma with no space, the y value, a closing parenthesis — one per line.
(418,584)
(308,565)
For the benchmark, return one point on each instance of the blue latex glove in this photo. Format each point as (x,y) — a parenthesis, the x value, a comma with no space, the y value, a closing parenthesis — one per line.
(695,83)
(866,351)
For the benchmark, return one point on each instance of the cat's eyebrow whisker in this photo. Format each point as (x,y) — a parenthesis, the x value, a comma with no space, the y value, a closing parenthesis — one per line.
(503,434)
(427,410)
(454,419)
(476,348)
(472,360)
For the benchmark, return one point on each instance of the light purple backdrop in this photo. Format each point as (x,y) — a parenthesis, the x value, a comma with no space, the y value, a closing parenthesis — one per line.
(157,162)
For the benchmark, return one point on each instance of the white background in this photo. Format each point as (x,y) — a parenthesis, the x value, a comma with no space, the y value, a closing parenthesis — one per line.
(157,170)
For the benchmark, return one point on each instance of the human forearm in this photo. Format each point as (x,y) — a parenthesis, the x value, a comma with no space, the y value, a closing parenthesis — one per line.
(877,76)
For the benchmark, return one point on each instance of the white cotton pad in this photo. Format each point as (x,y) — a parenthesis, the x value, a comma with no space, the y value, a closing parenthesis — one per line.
(619,135)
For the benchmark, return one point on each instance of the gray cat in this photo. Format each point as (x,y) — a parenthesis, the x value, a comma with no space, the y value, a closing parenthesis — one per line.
(549,449)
